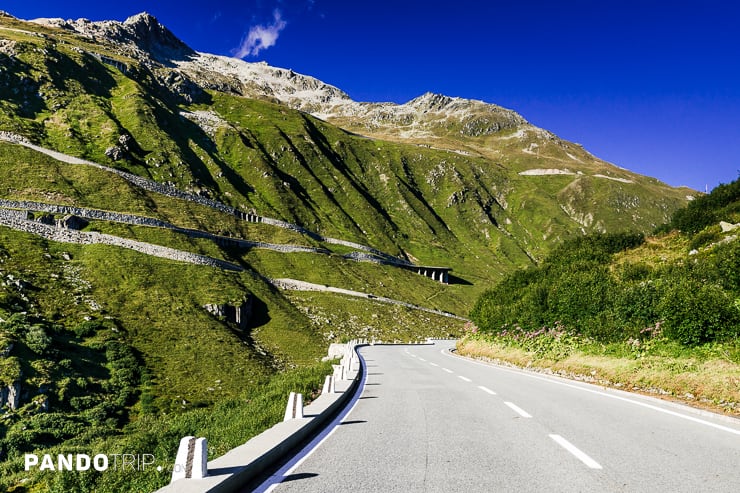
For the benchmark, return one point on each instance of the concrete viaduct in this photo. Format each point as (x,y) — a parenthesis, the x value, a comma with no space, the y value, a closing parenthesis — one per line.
(441,274)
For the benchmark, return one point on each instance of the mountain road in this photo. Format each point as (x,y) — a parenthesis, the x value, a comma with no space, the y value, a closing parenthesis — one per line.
(430,421)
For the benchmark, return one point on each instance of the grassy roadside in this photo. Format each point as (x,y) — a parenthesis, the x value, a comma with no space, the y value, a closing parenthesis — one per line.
(226,425)
(707,377)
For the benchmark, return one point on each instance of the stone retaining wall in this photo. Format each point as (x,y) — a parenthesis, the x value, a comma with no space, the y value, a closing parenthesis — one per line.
(171,191)
(149,222)
(12,220)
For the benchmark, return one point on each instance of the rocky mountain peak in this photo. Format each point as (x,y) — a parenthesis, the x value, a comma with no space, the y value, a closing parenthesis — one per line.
(141,35)
(431,102)
(145,31)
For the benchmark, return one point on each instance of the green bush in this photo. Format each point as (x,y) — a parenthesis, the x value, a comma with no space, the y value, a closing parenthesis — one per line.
(88,328)
(636,306)
(696,313)
(580,294)
(577,286)
(37,340)
(635,272)
(725,261)
(705,237)
(10,370)
(572,285)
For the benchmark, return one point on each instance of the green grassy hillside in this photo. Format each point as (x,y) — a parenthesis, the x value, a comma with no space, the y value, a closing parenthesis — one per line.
(107,340)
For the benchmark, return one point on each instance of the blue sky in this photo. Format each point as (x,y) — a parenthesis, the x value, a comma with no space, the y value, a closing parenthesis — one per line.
(651,86)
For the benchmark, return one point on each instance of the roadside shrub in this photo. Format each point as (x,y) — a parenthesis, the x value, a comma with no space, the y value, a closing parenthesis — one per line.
(697,313)
(636,305)
(580,294)
(125,374)
(593,248)
(635,272)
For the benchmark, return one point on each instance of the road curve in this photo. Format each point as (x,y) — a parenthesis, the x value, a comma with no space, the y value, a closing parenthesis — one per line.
(429,421)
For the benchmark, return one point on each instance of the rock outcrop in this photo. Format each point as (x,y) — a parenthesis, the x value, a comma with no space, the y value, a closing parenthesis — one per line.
(11,395)
(140,36)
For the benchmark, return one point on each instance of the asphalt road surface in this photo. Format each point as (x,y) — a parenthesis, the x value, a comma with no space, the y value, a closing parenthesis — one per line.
(429,421)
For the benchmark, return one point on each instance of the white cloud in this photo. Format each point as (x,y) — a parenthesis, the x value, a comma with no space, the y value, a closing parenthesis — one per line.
(261,37)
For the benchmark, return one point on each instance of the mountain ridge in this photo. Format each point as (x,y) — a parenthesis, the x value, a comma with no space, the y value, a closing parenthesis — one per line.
(302,92)
(430,117)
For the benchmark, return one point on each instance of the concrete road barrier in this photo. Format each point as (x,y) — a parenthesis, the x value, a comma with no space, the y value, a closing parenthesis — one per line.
(243,464)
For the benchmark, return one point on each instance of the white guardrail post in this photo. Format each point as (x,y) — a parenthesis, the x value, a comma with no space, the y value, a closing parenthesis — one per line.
(294,409)
(191,461)
(329,387)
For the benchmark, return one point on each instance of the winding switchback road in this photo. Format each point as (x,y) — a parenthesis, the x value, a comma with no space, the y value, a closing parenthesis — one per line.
(429,421)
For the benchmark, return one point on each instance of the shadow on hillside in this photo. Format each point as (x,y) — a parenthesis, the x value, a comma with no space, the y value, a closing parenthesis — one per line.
(260,314)
(339,164)
(458,280)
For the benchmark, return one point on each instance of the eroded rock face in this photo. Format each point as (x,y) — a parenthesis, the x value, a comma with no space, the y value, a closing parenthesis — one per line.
(126,141)
(727,227)
(141,36)
(145,31)
(7,47)
(182,87)
(115,153)
(11,395)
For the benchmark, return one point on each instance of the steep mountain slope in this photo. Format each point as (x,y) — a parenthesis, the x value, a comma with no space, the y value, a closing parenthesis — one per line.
(497,189)
(270,175)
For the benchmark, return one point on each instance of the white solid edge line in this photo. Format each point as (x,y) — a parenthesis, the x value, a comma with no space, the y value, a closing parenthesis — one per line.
(521,412)
(598,392)
(486,390)
(576,452)
(300,461)
(465,379)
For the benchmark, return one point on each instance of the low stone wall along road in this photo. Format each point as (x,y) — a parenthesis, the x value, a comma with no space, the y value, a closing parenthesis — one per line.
(429,421)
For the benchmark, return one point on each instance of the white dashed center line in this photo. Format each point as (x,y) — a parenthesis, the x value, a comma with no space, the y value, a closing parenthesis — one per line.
(576,452)
(447,370)
(465,379)
(486,390)
(521,412)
